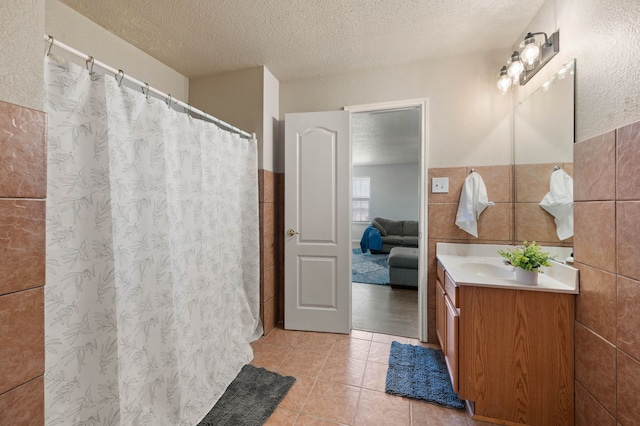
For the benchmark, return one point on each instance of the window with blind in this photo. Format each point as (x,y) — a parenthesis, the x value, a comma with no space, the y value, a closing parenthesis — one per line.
(360,199)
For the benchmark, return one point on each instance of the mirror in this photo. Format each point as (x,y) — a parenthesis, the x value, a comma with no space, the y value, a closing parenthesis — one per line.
(544,136)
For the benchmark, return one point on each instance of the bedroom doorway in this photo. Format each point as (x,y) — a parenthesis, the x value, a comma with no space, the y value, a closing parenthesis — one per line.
(388,171)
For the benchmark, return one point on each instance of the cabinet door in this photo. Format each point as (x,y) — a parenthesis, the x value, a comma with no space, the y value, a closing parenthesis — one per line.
(441,317)
(451,353)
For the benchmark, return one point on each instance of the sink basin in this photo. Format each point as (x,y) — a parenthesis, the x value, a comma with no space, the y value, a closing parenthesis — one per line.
(487,269)
(480,265)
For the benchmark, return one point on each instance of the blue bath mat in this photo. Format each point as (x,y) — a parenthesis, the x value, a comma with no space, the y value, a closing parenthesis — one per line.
(420,373)
(369,268)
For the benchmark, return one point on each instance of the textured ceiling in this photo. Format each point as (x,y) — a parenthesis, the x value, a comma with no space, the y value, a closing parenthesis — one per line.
(298,39)
(385,137)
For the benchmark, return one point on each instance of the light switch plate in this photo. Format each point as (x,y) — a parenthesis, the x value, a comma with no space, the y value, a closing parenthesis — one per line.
(439,185)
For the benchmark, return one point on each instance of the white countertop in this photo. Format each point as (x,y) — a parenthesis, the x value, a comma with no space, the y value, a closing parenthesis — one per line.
(481,265)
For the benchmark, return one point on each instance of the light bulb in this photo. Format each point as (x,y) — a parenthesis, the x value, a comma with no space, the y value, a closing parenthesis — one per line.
(515,67)
(504,82)
(530,54)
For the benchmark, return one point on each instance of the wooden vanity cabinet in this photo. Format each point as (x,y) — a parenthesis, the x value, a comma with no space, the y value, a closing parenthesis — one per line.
(510,353)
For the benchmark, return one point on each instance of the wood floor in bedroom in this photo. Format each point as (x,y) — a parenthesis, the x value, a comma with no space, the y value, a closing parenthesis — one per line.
(382,309)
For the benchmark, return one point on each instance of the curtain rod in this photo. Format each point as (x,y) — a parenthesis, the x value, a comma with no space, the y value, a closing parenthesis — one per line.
(145,86)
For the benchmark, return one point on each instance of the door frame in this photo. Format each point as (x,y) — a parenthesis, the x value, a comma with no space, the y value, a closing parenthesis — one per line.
(423,273)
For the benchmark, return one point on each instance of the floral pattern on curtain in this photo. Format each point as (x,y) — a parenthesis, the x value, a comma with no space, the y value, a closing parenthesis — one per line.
(152,293)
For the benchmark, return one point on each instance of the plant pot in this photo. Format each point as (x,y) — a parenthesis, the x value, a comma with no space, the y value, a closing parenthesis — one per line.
(527,277)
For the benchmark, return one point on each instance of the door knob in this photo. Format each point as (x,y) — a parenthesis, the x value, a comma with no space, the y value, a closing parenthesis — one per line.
(291,232)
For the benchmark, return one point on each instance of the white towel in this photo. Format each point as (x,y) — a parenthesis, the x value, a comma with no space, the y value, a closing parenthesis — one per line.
(473,201)
(559,202)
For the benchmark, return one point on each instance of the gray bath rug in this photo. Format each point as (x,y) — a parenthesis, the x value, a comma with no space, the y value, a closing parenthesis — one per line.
(250,399)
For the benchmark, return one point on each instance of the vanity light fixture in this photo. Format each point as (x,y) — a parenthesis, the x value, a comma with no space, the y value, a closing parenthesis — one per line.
(522,66)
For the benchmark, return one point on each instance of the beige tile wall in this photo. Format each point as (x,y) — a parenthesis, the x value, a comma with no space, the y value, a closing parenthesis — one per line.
(607,252)
(269,264)
(280,241)
(495,225)
(23,174)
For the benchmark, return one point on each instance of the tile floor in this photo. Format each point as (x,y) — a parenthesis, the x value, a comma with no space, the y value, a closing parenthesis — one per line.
(340,380)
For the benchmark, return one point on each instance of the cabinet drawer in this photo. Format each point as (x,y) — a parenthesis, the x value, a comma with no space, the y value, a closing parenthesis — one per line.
(451,288)
(440,271)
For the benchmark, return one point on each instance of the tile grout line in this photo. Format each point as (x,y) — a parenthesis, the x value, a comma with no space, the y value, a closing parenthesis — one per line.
(318,378)
(315,380)
(355,414)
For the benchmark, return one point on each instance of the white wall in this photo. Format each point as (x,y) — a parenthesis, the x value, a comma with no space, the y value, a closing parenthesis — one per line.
(604,37)
(248,99)
(73,29)
(271,151)
(394,193)
(235,97)
(469,121)
(21,52)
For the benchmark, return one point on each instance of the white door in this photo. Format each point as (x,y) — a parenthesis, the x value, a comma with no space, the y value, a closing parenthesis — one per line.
(317,248)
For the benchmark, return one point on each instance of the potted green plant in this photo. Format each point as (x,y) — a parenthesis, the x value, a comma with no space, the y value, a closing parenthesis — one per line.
(527,259)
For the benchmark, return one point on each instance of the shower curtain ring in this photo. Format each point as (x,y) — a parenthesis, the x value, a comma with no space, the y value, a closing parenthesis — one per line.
(168,100)
(121,74)
(50,45)
(188,110)
(90,60)
(146,85)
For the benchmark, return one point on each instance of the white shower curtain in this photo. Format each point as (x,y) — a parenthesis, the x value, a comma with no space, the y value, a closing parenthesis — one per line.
(152,292)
